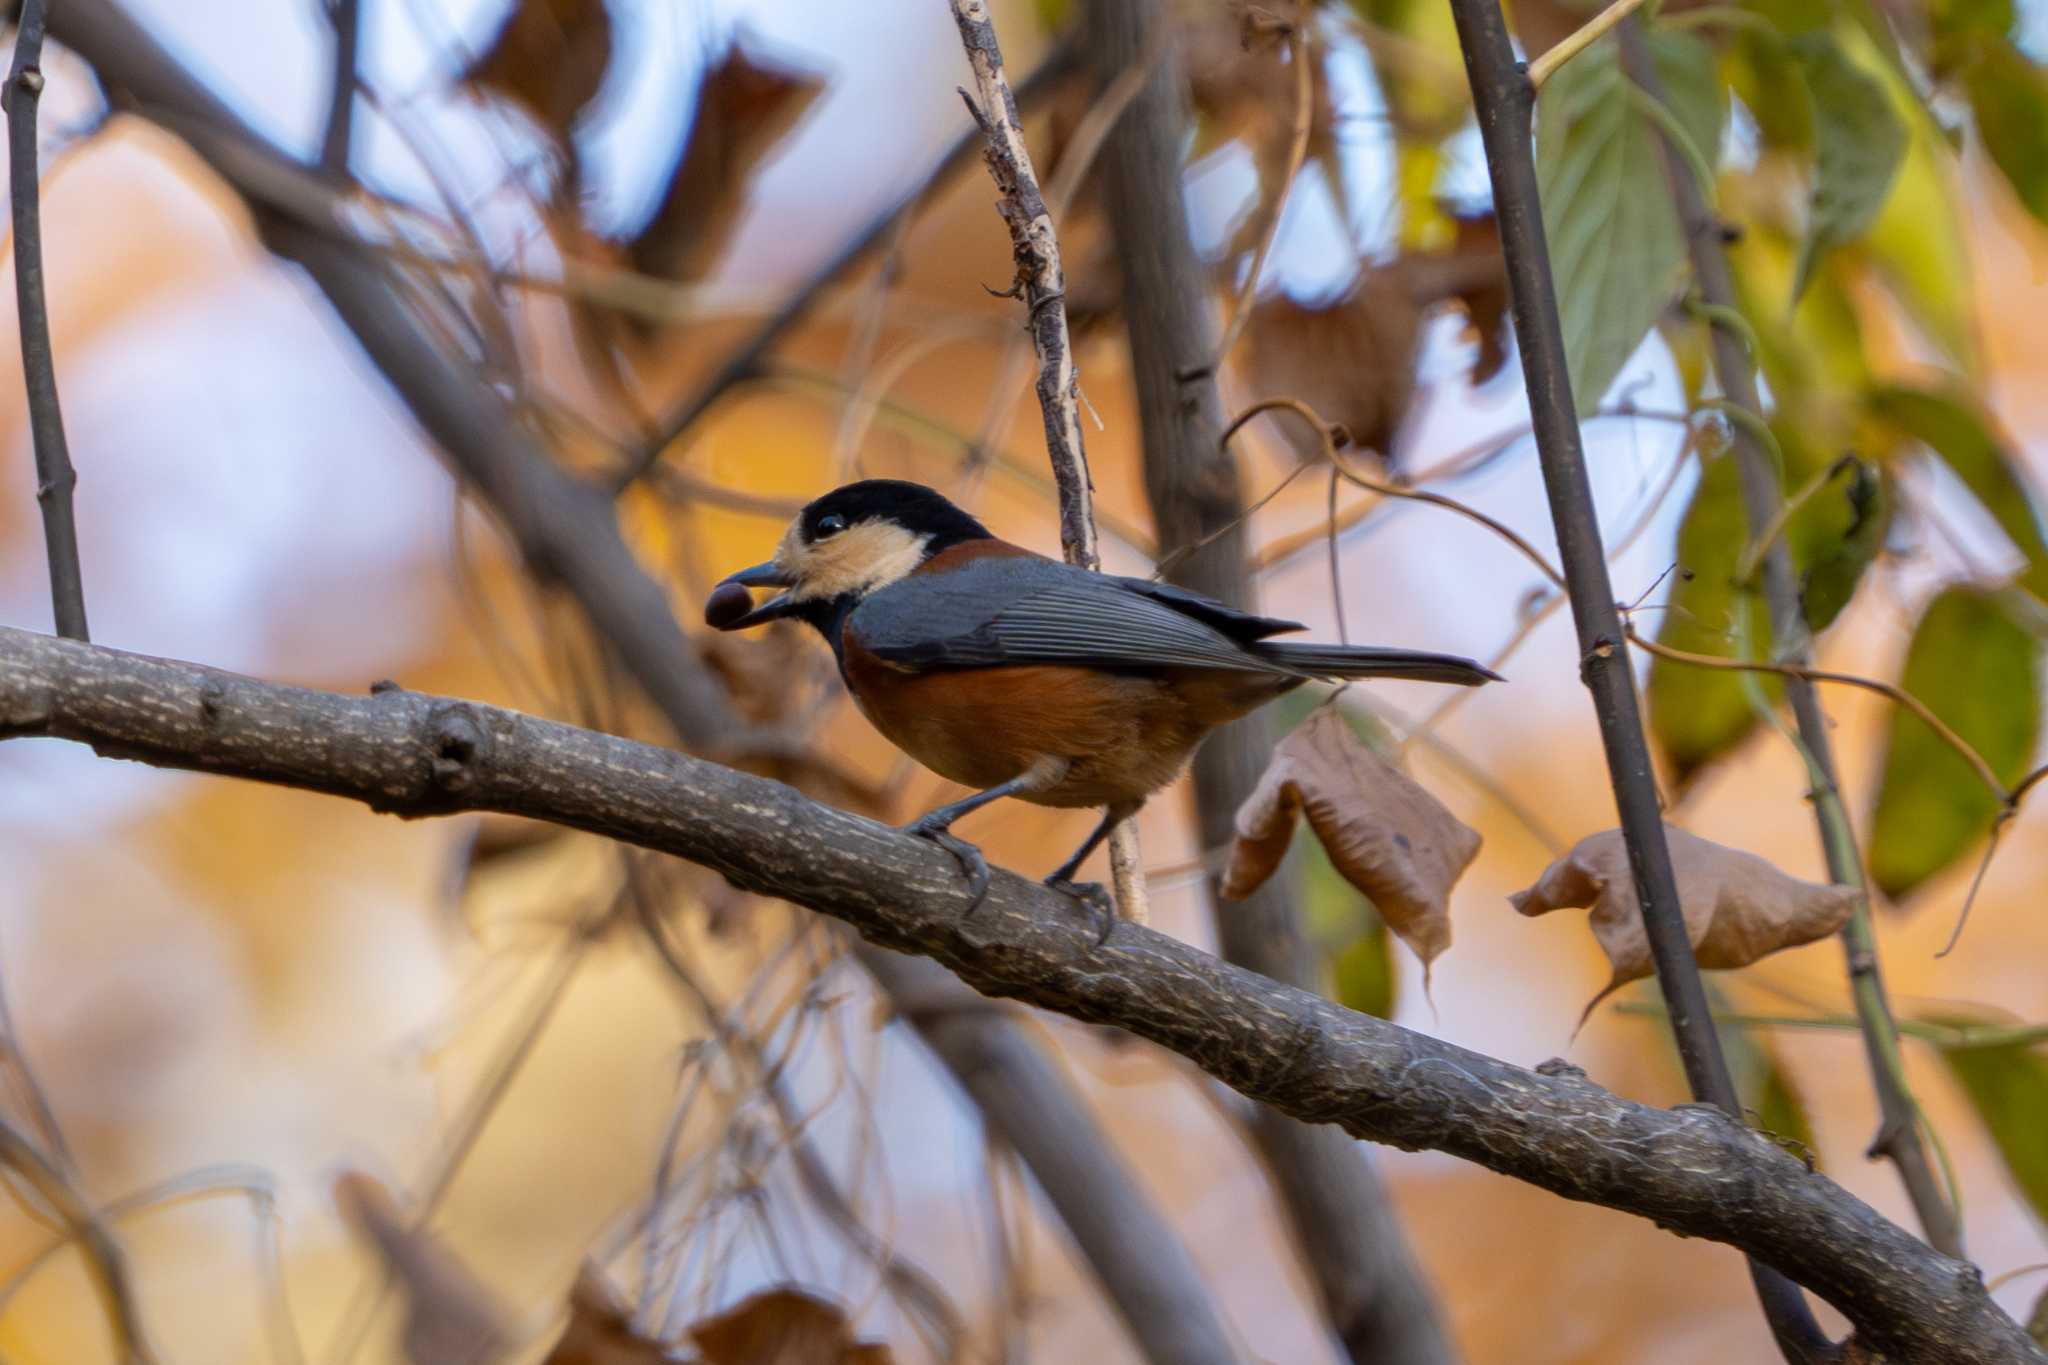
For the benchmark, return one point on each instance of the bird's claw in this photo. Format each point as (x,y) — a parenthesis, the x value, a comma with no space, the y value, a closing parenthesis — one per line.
(1094,898)
(972,865)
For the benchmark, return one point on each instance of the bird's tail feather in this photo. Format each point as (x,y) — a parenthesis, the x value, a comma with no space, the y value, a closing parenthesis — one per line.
(1367,661)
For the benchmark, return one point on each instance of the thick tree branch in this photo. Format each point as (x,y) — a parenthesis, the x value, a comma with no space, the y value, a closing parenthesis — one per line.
(1504,101)
(568,531)
(55,478)
(1691,1169)
(1353,1246)
(1898,1134)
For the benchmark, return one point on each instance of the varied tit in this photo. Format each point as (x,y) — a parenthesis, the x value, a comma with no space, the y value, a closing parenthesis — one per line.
(1018,675)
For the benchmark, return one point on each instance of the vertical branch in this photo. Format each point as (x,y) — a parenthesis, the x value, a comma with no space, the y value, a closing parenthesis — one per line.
(1898,1136)
(55,477)
(347,18)
(1354,1250)
(1042,284)
(1504,100)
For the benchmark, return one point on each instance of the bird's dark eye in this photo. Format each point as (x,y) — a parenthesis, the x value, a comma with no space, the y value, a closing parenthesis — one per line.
(831,524)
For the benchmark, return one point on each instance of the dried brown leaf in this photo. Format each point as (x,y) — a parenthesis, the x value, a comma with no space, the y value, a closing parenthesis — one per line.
(784,1326)
(600,1330)
(1738,908)
(1352,359)
(1383,831)
(745,105)
(549,56)
(450,1318)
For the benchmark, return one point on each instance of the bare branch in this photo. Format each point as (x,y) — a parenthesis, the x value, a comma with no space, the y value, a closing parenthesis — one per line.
(1691,1169)
(55,478)
(1504,101)
(1353,1247)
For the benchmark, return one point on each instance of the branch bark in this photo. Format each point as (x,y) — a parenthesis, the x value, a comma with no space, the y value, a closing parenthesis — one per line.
(1692,1169)
(568,531)
(1898,1136)
(55,478)
(1504,101)
(1353,1247)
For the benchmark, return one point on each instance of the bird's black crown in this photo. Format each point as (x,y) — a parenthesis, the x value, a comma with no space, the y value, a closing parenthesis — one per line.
(912,506)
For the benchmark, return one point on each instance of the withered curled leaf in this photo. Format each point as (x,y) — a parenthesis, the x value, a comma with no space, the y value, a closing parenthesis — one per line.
(1738,908)
(784,1326)
(1383,831)
(450,1318)
(745,105)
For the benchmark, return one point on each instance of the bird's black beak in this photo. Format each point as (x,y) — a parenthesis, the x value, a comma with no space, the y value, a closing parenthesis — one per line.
(718,610)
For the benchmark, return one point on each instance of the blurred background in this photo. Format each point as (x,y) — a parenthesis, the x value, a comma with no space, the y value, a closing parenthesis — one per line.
(240,1001)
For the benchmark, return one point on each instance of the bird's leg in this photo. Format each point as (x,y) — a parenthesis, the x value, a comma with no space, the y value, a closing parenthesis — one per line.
(936,825)
(1091,894)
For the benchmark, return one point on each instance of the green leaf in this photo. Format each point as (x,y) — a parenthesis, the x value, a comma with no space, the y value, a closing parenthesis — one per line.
(1859,144)
(2008,1087)
(1834,539)
(1052,14)
(1698,714)
(1364,972)
(2009,96)
(1614,238)
(1974,666)
(1349,932)
(1916,243)
(1961,434)
(2037,1321)
(1422,73)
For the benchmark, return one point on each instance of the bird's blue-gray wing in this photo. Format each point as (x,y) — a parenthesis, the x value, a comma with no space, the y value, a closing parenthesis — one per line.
(1030,611)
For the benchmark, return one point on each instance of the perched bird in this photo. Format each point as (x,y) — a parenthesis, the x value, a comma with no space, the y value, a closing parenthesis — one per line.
(1022,676)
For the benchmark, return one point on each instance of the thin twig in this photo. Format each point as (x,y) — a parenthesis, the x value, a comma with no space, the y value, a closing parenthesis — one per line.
(103,1255)
(55,478)
(1042,284)
(1327,435)
(1545,66)
(1942,730)
(346,17)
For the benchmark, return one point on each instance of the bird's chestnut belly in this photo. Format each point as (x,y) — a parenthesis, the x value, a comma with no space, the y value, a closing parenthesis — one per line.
(1124,736)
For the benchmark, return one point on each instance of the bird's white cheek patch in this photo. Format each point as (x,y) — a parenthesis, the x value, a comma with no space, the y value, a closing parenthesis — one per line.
(858,560)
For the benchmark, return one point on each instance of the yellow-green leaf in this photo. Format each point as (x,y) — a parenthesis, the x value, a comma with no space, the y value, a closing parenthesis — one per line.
(2008,1087)
(1951,424)
(1859,143)
(2009,96)
(1916,243)
(1698,714)
(1615,244)
(1975,667)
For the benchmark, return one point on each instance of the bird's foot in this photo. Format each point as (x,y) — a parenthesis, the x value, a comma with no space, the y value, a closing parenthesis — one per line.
(972,865)
(1093,898)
